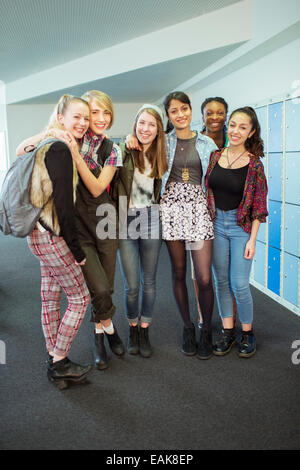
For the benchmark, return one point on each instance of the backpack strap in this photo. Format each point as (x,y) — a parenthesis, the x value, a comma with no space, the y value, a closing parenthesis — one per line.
(104,151)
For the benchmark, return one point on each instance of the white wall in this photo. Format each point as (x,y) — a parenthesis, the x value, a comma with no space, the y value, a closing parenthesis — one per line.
(270,77)
(26,120)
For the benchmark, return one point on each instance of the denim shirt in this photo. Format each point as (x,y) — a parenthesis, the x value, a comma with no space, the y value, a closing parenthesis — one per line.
(204,146)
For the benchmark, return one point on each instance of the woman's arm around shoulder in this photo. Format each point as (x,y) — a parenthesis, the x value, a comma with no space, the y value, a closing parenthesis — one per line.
(97,186)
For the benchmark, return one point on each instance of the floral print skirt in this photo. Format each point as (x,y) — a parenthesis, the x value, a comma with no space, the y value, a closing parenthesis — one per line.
(184,213)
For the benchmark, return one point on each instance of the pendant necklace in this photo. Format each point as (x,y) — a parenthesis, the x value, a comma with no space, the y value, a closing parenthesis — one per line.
(185,174)
(229,165)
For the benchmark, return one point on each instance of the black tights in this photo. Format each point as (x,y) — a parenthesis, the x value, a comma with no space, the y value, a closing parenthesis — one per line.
(202,259)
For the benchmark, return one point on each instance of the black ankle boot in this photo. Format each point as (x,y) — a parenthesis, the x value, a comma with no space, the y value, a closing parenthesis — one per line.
(115,343)
(225,343)
(145,346)
(61,373)
(189,346)
(99,352)
(247,345)
(49,361)
(133,340)
(205,348)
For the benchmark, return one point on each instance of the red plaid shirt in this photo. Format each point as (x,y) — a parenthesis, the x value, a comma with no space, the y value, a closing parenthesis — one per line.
(89,147)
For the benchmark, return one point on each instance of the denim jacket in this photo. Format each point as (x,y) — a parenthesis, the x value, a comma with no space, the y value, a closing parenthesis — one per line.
(204,146)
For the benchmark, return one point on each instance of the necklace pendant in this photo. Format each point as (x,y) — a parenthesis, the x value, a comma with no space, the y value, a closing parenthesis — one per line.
(185,175)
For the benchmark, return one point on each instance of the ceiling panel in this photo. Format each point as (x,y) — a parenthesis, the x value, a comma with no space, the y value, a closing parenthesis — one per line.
(145,84)
(39,34)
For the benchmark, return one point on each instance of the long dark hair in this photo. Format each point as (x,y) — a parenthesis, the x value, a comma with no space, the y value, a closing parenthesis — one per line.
(254,144)
(175,95)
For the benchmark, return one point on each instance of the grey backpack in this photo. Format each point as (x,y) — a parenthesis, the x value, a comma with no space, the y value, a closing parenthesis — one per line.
(17,215)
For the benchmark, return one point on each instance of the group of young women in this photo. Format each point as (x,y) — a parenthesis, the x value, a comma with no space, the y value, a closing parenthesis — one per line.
(203,192)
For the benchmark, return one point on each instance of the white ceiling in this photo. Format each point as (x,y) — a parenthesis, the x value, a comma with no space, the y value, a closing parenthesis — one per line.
(39,34)
(145,84)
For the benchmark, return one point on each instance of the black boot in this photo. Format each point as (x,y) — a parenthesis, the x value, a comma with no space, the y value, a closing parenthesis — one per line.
(63,372)
(205,349)
(145,346)
(115,343)
(247,345)
(49,361)
(133,340)
(189,346)
(225,343)
(99,352)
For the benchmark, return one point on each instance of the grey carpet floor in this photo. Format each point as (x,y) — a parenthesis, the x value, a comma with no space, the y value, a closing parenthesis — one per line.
(169,401)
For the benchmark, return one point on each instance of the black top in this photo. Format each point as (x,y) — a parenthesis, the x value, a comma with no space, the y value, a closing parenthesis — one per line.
(59,164)
(228,186)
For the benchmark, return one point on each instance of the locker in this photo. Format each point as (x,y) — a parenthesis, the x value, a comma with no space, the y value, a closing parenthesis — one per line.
(291,229)
(292,118)
(274,221)
(262,119)
(275,127)
(292,170)
(274,270)
(290,281)
(259,263)
(275,176)
(261,236)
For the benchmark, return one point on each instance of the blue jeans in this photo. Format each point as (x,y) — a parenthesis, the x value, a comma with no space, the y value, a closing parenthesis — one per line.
(231,270)
(138,262)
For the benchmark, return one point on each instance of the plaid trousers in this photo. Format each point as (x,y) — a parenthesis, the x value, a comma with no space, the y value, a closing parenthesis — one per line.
(59,273)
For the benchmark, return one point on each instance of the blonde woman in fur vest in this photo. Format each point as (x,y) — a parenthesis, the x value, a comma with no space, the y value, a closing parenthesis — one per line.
(54,241)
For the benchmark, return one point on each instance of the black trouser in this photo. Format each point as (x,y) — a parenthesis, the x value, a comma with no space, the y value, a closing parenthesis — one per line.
(99,272)
(99,269)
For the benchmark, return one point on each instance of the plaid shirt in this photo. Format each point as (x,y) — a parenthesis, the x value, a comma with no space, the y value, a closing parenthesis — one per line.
(89,147)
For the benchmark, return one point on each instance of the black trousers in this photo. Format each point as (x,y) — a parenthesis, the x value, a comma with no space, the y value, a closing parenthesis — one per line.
(99,269)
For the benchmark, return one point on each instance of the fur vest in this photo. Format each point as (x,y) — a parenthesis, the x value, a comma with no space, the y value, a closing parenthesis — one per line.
(41,190)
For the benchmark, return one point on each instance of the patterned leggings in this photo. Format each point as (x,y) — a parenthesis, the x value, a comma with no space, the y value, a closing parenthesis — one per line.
(59,273)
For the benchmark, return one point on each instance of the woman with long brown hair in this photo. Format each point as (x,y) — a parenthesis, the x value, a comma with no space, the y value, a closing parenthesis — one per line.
(140,182)
(237,192)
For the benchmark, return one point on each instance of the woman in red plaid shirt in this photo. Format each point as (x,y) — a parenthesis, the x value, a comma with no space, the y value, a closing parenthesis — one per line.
(237,199)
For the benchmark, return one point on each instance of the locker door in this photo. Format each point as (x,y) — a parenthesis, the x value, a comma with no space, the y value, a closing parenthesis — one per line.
(275,127)
(292,110)
(259,263)
(261,236)
(292,170)
(275,176)
(291,229)
(274,270)
(290,283)
(275,224)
